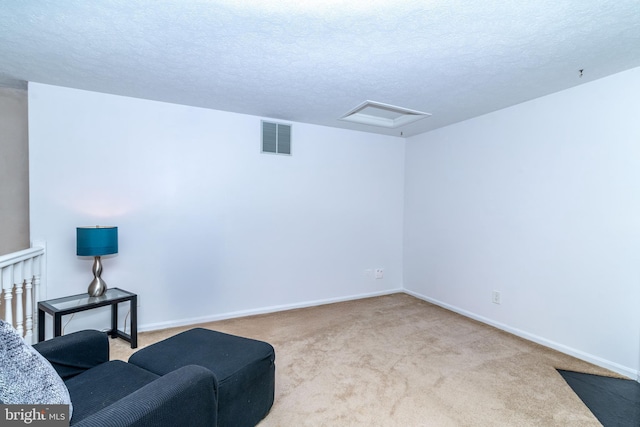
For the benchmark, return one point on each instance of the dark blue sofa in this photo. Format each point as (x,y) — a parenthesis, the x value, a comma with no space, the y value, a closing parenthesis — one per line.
(244,369)
(114,393)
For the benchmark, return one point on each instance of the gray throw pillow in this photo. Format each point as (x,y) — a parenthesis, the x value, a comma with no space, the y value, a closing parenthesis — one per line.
(26,377)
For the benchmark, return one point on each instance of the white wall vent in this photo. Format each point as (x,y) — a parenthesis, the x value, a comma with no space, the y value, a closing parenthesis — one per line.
(276,138)
(383,115)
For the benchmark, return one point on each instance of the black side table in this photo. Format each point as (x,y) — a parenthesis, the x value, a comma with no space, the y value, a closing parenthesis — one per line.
(82,302)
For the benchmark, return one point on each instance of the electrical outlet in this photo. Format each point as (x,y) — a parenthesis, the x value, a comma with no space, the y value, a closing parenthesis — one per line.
(495,297)
(379,273)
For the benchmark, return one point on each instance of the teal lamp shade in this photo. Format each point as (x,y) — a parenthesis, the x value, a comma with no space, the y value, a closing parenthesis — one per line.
(96,241)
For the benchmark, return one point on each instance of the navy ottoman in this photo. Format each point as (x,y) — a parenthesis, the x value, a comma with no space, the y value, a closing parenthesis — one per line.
(244,369)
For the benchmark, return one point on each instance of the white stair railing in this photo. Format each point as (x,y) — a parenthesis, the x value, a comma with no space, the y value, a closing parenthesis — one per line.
(20,278)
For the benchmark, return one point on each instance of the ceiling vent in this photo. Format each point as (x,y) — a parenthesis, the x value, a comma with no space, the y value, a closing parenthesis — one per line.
(383,115)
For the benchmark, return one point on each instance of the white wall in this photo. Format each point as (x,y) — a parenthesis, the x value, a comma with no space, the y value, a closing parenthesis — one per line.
(540,201)
(208,226)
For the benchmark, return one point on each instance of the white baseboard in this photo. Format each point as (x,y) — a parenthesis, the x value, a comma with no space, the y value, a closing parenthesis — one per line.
(598,361)
(262,310)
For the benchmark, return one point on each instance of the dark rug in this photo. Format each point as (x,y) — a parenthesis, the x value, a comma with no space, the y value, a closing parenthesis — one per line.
(614,401)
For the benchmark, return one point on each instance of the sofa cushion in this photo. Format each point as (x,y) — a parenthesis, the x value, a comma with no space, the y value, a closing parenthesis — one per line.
(25,376)
(224,354)
(103,385)
(76,352)
(244,369)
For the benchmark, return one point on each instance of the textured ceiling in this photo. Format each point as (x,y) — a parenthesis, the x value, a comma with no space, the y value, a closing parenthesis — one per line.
(313,61)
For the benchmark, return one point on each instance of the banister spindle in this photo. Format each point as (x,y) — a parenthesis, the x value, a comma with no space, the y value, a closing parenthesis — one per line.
(28,306)
(7,287)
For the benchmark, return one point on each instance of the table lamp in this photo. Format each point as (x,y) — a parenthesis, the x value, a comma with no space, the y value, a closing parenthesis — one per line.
(96,241)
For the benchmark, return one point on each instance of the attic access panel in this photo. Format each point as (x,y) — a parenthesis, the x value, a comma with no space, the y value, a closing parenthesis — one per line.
(383,115)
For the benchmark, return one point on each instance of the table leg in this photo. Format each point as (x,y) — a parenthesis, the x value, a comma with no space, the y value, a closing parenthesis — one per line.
(57,325)
(134,321)
(114,320)
(40,325)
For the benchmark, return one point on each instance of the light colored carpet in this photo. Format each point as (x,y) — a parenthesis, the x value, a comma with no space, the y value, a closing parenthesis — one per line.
(398,361)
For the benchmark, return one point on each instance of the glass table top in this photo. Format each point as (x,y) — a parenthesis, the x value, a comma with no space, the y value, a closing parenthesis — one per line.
(84,299)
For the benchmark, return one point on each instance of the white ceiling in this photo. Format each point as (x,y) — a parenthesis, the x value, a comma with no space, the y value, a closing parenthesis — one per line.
(314,60)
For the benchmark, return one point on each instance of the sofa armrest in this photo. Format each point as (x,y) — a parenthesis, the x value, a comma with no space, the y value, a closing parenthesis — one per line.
(184,397)
(76,352)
